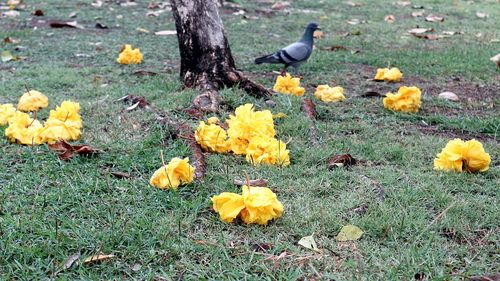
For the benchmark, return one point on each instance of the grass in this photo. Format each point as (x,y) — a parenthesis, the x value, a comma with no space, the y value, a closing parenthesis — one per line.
(443,226)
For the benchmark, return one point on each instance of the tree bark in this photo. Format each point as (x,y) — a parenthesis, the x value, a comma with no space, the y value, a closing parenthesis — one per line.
(206,59)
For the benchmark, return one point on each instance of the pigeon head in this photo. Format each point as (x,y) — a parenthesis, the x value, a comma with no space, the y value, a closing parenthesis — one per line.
(313,26)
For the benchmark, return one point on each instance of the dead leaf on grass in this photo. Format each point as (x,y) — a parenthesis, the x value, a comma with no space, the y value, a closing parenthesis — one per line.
(121,175)
(434,18)
(448,96)
(482,15)
(98,258)
(280,5)
(491,277)
(496,59)
(349,233)
(257,182)
(144,72)
(418,14)
(38,13)
(68,263)
(309,243)
(166,32)
(452,32)
(352,4)
(341,160)
(356,21)
(72,15)
(97,3)
(65,24)
(369,94)
(420,30)
(67,151)
(99,25)
(261,247)
(427,36)
(403,3)
(11,40)
(389,18)
(334,48)
(6,56)
(10,14)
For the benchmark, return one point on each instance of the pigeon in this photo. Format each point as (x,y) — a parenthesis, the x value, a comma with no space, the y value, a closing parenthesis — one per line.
(294,54)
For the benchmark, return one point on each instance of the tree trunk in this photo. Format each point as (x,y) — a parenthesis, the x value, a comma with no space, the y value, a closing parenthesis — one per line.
(206,60)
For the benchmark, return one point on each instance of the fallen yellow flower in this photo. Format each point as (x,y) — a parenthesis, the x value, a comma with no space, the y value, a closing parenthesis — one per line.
(459,155)
(68,111)
(24,130)
(256,205)
(212,120)
(129,55)
(389,75)
(32,101)
(7,111)
(288,85)
(177,172)
(407,100)
(246,124)
(55,130)
(326,93)
(266,150)
(212,137)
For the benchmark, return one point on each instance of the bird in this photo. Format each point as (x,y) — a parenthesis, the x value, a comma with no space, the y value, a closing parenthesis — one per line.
(294,54)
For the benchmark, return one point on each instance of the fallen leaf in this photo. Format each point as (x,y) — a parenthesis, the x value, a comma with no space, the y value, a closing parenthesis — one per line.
(155,13)
(261,247)
(101,26)
(420,30)
(356,21)
(361,209)
(448,96)
(434,18)
(369,94)
(11,14)
(318,34)
(309,243)
(69,262)
(352,4)
(389,18)
(128,4)
(452,32)
(6,56)
(62,24)
(10,40)
(67,151)
(496,59)
(341,160)
(417,7)
(427,36)
(143,30)
(492,277)
(334,48)
(257,182)
(403,3)
(482,15)
(121,175)
(72,15)
(166,32)
(418,14)
(280,5)
(144,72)
(137,101)
(97,3)
(38,13)
(98,258)
(349,233)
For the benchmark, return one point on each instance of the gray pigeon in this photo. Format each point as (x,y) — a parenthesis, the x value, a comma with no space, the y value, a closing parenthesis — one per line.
(294,54)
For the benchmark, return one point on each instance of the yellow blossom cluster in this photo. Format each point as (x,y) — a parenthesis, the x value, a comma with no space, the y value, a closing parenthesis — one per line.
(64,123)
(128,55)
(407,99)
(256,205)
(326,93)
(249,133)
(177,172)
(459,155)
(388,75)
(288,85)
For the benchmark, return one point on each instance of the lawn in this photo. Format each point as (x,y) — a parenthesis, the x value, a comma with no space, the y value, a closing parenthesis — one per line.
(418,223)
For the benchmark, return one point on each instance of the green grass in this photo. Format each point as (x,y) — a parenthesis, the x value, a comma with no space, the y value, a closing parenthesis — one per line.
(50,209)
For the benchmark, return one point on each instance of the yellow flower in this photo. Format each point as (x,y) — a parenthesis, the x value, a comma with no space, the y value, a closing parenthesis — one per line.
(389,75)
(261,205)
(228,205)
(55,130)
(212,120)
(32,101)
(328,94)
(288,85)
(68,111)
(476,159)
(459,155)
(279,115)
(7,111)
(407,100)
(24,130)
(129,55)
(246,124)
(177,172)
(266,150)
(212,138)
(256,205)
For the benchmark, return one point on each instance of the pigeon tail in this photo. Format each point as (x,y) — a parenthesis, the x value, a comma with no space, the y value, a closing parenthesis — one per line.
(272,58)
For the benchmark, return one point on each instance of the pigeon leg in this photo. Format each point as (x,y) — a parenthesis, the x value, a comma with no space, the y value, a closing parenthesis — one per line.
(296,71)
(283,71)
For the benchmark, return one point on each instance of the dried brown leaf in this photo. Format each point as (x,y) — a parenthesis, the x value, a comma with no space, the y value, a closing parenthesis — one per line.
(418,14)
(280,5)
(145,72)
(67,151)
(68,263)
(121,175)
(420,30)
(10,40)
(261,247)
(341,160)
(434,18)
(97,258)
(389,18)
(334,48)
(38,13)
(257,182)
(101,26)
(492,277)
(369,94)
(64,24)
